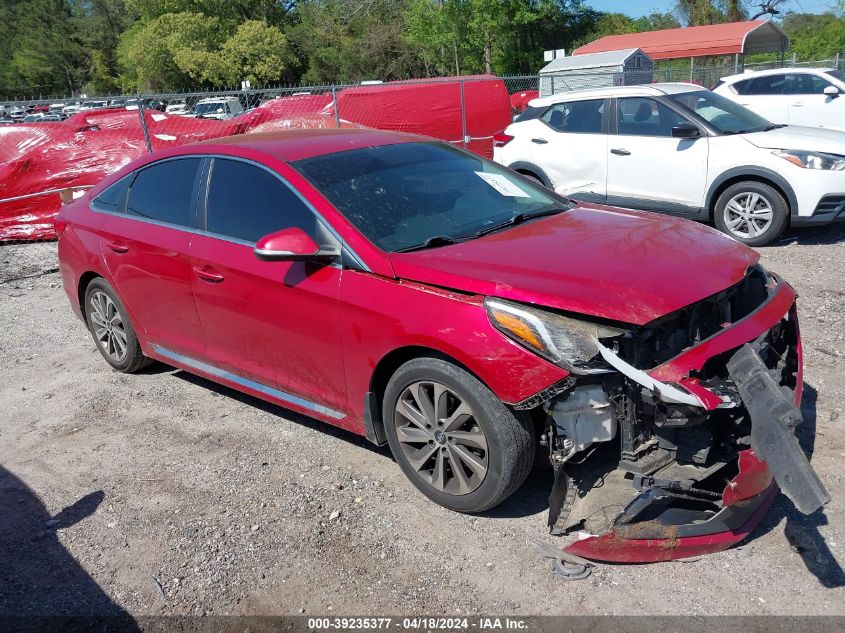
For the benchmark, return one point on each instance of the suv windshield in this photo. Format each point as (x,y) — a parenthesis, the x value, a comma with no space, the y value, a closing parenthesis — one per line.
(722,114)
(421,195)
(210,108)
(836,74)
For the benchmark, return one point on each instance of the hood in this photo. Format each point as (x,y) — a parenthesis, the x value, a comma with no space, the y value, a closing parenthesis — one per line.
(814,139)
(617,264)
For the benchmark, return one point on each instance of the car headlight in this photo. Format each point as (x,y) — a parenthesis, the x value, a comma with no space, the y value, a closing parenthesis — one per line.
(570,343)
(813,160)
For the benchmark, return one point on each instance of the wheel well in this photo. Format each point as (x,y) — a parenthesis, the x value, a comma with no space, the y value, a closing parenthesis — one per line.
(735,179)
(528,172)
(84,280)
(388,365)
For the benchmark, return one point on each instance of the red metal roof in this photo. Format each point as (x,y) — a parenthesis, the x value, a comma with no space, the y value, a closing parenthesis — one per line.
(756,36)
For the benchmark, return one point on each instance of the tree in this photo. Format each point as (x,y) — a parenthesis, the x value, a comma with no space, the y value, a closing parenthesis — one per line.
(174,51)
(815,37)
(255,52)
(47,55)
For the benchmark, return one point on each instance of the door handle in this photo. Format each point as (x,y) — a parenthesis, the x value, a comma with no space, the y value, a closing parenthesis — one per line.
(117,247)
(620,151)
(206,273)
(797,104)
(539,141)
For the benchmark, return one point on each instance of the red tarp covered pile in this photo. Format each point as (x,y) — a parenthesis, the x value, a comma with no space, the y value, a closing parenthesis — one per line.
(38,160)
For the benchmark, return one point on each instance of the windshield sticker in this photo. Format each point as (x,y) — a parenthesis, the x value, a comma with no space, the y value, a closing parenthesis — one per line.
(502,185)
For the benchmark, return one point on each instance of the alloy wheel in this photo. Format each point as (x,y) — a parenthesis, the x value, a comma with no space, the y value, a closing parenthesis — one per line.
(748,215)
(109,327)
(440,438)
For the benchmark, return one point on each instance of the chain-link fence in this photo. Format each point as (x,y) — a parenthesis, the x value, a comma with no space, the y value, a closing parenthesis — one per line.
(49,145)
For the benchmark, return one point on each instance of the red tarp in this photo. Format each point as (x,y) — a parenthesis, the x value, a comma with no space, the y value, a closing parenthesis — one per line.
(38,159)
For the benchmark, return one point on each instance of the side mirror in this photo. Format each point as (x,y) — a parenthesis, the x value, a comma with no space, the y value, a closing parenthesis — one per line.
(291,245)
(831,91)
(685,130)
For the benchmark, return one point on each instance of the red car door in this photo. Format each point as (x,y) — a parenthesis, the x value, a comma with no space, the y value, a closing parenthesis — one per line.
(146,253)
(273,325)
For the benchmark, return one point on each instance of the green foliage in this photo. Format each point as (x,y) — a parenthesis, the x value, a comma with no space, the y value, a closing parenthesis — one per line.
(46,53)
(255,52)
(175,50)
(815,36)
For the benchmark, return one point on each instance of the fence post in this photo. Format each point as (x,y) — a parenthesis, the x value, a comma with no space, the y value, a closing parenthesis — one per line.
(794,59)
(463,116)
(144,125)
(336,110)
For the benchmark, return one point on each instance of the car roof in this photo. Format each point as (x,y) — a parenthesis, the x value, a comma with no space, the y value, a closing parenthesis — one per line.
(292,145)
(773,71)
(643,90)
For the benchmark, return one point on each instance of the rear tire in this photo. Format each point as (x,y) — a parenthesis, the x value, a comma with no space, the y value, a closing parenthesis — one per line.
(453,438)
(111,328)
(751,212)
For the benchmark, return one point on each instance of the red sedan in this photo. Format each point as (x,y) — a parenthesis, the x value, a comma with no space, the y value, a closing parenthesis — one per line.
(430,299)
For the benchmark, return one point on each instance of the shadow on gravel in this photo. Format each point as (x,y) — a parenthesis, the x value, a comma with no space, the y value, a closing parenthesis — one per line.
(531,498)
(318,425)
(813,236)
(40,581)
(802,531)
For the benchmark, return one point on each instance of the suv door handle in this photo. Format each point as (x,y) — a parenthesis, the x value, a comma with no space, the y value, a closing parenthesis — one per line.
(620,151)
(207,273)
(117,247)
(539,141)
(797,104)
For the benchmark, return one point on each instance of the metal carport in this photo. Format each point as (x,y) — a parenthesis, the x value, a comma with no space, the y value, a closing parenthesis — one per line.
(733,38)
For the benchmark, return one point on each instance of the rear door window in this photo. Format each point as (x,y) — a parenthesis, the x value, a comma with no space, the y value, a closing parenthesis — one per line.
(766,85)
(164,192)
(576,117)
(246,202)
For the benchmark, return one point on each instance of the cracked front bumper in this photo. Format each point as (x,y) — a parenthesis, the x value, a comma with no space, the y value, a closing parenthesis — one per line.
(664,522)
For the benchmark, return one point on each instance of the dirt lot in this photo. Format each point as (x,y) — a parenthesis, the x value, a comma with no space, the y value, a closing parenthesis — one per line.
(162,493)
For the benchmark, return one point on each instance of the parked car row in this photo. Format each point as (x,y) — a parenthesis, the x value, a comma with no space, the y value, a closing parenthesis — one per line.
(681,149)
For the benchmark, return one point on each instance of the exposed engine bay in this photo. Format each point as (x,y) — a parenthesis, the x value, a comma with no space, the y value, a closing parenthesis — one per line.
(642,464)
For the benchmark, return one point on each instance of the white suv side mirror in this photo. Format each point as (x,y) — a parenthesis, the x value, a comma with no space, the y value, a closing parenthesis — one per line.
(831,91)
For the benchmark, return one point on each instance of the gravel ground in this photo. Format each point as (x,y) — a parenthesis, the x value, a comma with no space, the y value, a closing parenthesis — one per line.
(162,493)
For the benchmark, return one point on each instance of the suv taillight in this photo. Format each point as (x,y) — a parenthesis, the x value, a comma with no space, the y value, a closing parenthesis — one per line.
(500,139)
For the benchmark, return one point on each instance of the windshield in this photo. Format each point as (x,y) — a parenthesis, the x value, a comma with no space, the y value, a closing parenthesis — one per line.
(401,196)
(723,114)
(209,108)
(836,74)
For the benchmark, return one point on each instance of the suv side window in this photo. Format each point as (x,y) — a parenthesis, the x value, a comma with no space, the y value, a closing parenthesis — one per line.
(806,84)
(641,116)
(246,203)
(578,117)
(164,191)
(766,85)
(113,198)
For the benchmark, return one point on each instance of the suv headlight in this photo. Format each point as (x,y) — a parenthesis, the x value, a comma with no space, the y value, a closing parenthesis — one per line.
(570,343)
(813,160)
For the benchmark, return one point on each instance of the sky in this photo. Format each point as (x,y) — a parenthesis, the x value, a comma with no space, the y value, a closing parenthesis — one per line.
(637,8)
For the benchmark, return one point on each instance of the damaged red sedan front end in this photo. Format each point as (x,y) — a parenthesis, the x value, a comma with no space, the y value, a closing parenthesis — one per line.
(705,484)
(673,426)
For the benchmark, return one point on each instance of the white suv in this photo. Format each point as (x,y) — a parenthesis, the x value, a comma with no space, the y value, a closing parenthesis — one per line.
(680,149)
(217,108)
(814,97)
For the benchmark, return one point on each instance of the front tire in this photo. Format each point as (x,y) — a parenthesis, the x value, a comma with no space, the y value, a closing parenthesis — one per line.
(751,212)
(453,438)
(111,328)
